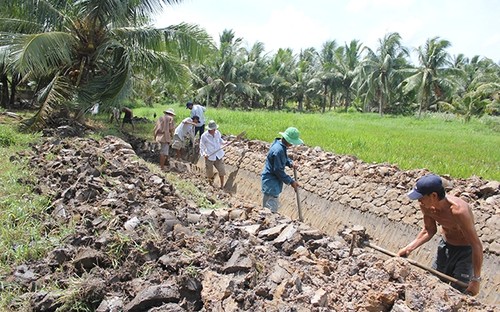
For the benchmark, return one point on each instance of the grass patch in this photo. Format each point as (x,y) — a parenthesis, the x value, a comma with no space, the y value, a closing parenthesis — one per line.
(23,236)
(453,147)
(441,143)
(186,189)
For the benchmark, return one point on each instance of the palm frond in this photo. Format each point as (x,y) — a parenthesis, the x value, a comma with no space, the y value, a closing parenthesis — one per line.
(191,41)
(158,63)
(40,53)
(412,83)
(53,96)
(120,12)
(47,15)
(146,38)
(14,25)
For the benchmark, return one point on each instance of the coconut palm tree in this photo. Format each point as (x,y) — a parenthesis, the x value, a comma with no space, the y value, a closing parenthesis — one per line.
(253,72)
(304,72)
(225,76)
(82,52)
(478,87)
(279,79)
(381,67)
(430,80)
(347,68)
(326,75)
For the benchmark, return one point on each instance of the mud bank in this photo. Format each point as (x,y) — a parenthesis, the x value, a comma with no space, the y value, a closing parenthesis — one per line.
(341,191)
(138,244)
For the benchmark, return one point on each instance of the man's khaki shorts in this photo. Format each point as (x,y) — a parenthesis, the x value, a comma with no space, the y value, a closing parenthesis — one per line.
(218,164)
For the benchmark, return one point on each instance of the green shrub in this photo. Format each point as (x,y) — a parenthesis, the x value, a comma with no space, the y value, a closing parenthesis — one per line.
(7,137)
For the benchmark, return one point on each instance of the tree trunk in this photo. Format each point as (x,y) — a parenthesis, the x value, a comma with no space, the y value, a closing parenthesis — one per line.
(300,107)
(325,93)
(347,99)
(4,92)
(13,88)
(219,98)
(382,104)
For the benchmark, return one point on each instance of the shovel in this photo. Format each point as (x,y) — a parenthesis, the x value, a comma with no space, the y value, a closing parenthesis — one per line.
(297,196)
(192,152)
(238,137)
(415,263)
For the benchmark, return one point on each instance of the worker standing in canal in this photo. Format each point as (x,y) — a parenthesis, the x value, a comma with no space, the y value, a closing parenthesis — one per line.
(274,175)
(460,252)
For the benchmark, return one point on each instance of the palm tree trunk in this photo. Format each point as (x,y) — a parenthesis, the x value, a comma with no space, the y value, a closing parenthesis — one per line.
(4,92)
(325,94)
(347,99)
(330,101)
(219,98)
(13,88)
(383,104)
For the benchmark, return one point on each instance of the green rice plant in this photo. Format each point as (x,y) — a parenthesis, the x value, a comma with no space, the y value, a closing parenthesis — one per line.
(441,143)
(444,146)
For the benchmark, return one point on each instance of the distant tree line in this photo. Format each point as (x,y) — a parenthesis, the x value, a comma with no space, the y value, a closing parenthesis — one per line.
(349,76)
(62,57)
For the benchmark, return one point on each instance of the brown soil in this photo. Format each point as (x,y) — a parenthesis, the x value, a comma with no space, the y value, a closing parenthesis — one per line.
(140,246)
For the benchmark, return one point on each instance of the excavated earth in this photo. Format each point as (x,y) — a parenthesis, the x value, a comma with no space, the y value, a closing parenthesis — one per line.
(140,245)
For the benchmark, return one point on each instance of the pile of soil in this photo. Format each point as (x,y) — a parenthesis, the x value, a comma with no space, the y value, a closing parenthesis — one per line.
(141,246)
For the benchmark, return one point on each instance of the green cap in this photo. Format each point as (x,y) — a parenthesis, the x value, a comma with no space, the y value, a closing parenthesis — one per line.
(291,135)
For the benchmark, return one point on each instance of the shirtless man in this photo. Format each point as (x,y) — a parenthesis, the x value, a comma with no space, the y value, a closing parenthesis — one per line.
(460,252)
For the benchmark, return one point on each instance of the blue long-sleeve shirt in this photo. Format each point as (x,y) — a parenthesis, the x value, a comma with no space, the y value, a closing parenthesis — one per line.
(274,175)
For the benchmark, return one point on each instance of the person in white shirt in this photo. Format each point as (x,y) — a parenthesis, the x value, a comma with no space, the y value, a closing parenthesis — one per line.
(197,110)
(183,134)
(211,144)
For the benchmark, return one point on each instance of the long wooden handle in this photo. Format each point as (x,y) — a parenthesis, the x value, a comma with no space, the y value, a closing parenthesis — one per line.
(238,137)
(227,144)
(415,263)
(297,196)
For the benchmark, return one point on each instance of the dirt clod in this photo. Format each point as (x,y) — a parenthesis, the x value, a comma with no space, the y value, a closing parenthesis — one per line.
(138,246)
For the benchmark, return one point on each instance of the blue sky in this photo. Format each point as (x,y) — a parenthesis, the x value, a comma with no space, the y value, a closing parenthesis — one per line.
(472,26)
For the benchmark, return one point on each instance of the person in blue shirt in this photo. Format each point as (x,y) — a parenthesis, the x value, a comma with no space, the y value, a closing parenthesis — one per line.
(274,175)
